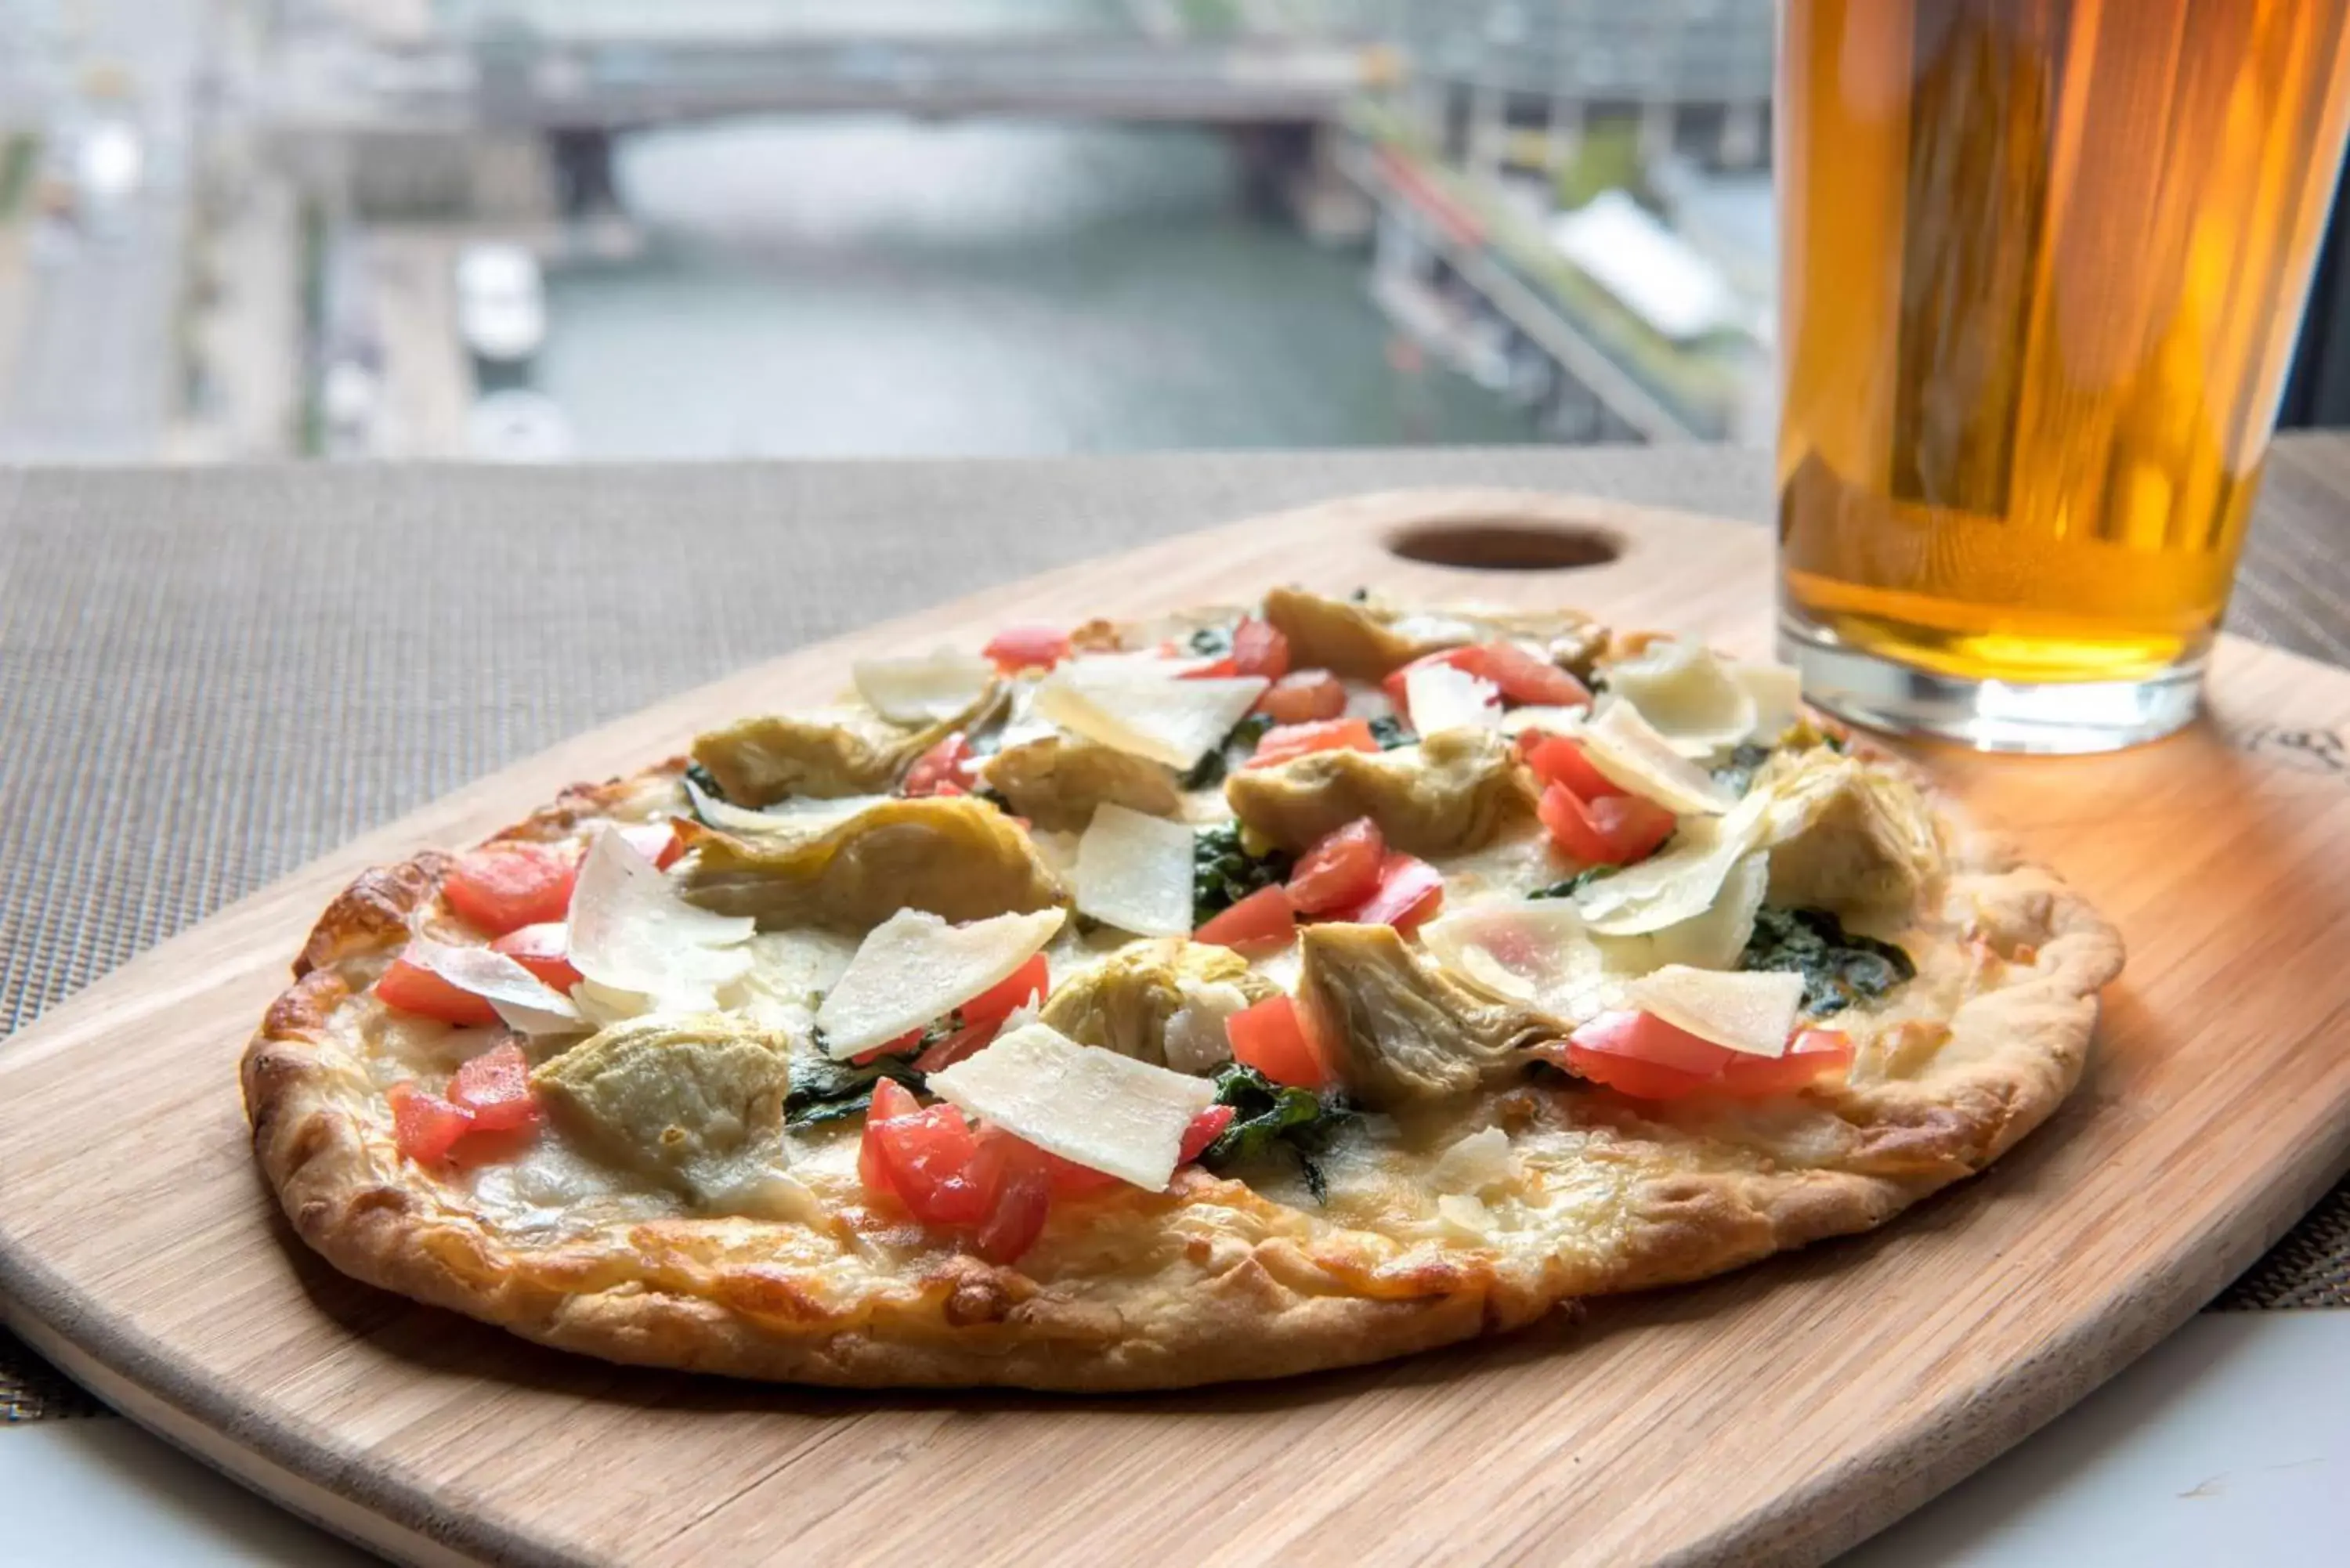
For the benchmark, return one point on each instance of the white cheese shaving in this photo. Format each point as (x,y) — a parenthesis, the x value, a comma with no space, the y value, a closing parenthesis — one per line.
(524,1001)
(1134,872)
(1711,939)
(1624,746)
(915,966)
(1443,697)
(789,973)
(1549,721)
(1143,712)
(1687,694)
(1195,1041)
(1778,694)
(1107,1112)
(1475,1165)
(1747,1010)
(793,817)
(1533,950)
(1464,1218)
(630,932)
(923,690)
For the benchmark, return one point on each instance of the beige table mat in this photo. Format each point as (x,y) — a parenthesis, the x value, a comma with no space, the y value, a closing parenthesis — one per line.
(208,678)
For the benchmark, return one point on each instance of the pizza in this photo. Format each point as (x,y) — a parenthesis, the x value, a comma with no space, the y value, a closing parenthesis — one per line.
(1224,995)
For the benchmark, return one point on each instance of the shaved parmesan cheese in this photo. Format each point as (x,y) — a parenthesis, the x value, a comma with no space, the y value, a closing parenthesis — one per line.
(792,817)
(1135,710)
(1465,1218)
(1195,1041)
(1778,694)
(1443,697)
(1712,939)
(1107,1112)
(789,973)
(1749,1011)
(1476,1164)
(1628,750)
(602,1005)
(1533,950)
(924,690)
(630,932)
(1142,661)
(914,967)
(1134,872)
(524,1001)
(1685,695)
(1549,721)
(1429,630)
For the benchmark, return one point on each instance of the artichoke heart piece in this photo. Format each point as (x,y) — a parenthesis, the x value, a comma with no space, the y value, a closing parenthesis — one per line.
(1402,1030)
(671,1098)
(1844,835)
(1056,781)
(1125,1002)
(1450,793)
(955,855)
(849,750)
(1356,638)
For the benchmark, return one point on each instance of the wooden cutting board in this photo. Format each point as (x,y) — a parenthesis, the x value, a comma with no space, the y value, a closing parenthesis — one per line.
(1779,1414)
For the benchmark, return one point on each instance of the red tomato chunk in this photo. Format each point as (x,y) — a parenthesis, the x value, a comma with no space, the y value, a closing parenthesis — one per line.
(1260,649)
(495,1088)
(1271,1036)
(412,987)
(944,769)
(502,887)
(1027,647)
(1340,870)
(1409,890)
(1305,697)
(1614,830)
(544,949)
(1286,741)
(1261,923)
(426,1127)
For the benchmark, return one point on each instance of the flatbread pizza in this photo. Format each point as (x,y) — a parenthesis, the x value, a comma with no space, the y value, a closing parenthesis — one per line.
(1251,990)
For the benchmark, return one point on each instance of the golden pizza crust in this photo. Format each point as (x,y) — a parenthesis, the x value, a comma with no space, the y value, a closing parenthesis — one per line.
(1213,1280)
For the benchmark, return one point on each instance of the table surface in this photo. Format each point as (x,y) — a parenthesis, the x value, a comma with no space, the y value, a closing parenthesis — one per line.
(208,677)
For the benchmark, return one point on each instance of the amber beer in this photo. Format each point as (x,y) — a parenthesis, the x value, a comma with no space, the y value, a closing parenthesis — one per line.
(2042,267)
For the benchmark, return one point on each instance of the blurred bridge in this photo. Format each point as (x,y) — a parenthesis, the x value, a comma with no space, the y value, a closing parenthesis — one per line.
(525,80)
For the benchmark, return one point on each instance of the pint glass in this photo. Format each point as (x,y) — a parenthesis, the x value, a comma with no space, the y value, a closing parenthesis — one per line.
(2042,263)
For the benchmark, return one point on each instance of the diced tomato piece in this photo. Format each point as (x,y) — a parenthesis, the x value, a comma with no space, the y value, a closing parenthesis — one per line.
(1630,1075)
(1018,1182)
(1528,678)
(1261,923)
(1027,647)
(1558,761)
(1615,830)
(426,1127)
(412,987)
(1271,1036)
(1214,669)
(1260,649)
(1813,1053)
(1303,697)
(495,1087)
(1205,1128)
(1284,741)
(1409,891)
(1522,677)
(655,841)
(891,1098)
(1071,1179)
(1032,980)
(1342,868)
(928,1156)
(544,949)
(1644,1057)
(502,887)
(943,769)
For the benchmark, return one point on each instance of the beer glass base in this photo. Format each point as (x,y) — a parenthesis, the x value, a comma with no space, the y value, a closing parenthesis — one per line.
(1989,715)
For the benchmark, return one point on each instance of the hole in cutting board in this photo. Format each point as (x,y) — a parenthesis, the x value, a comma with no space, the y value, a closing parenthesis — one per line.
(1499,544)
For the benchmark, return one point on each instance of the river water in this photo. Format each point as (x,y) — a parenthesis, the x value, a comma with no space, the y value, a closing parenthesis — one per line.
(854,286)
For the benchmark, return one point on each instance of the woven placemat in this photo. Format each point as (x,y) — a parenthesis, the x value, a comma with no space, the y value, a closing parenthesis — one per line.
(208,678)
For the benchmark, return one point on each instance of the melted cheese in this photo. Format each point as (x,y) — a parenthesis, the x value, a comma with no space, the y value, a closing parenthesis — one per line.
(1107,1112)
(1443,697)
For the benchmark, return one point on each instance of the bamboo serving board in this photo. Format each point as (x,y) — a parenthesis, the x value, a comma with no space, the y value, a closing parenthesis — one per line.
(1779,1414)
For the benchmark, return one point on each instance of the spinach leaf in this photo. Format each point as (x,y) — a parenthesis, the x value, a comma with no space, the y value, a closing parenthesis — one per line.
(823,1090)
(1223,872)
(1390,731)
(1210,769)
(705,779)
(1212,641)
(1574,884)
(1268,1115)
(1839,967)
(1737,774)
